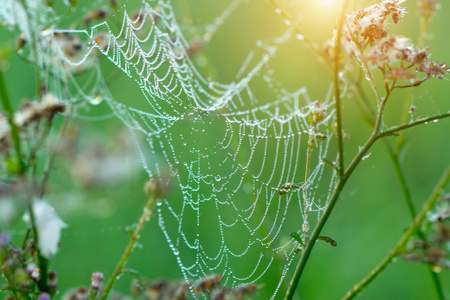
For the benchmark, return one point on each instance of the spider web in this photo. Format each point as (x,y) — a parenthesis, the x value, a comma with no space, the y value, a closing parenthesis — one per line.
(224,149)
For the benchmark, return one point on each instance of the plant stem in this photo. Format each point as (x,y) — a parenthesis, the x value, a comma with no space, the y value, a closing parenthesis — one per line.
(20,165)
(337,91)
(42,262)
(397,128)
(46,173)
(342,178)
(146,215)
(404,239)
(369,75)
(402,180)
(333,199)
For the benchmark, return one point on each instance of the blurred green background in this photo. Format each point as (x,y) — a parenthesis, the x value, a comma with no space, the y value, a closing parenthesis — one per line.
(368,219)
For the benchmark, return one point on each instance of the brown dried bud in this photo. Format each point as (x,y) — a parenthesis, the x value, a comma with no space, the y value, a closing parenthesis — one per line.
(154,188)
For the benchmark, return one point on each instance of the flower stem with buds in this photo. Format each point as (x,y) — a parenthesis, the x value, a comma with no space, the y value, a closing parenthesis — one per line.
(146,216)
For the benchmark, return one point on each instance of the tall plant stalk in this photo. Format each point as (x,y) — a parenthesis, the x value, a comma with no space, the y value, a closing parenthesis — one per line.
(429,204)
(145,217)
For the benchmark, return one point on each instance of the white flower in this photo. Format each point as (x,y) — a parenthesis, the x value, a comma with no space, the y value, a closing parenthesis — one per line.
(48,226)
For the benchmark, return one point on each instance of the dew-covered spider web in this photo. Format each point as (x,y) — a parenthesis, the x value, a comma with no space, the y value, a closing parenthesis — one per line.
(227,151)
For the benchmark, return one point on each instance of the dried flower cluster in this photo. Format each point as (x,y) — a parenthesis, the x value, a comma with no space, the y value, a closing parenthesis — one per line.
(396,56)
(17,267)
(32,112)
(435,251)
(209,286)
(82,293)
(368,26)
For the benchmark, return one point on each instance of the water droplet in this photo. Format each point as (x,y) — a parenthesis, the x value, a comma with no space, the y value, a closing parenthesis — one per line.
(95,101)
(300,37)
(287,22)
(366,156)
(175,251)
(217,178)
(159,203)
(435,121)
(277,10)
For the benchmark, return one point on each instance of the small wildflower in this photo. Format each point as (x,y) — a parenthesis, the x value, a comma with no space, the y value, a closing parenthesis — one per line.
(434,69)
(154,188)
(434,255)
(35,273)
(70,44)
(52,281)
(318,112)
(48,226)
(181,291)
(245,290)
(4,239)
(396,48)
(96,279)
(222,294)
(156,288)
(44,297)
(82,293)
(443,235)
(207,284)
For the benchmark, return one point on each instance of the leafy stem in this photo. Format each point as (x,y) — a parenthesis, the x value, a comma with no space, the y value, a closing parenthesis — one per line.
(146,215)
(20,165)
(369,114)
(395,129)
(337,91)
(404,239)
